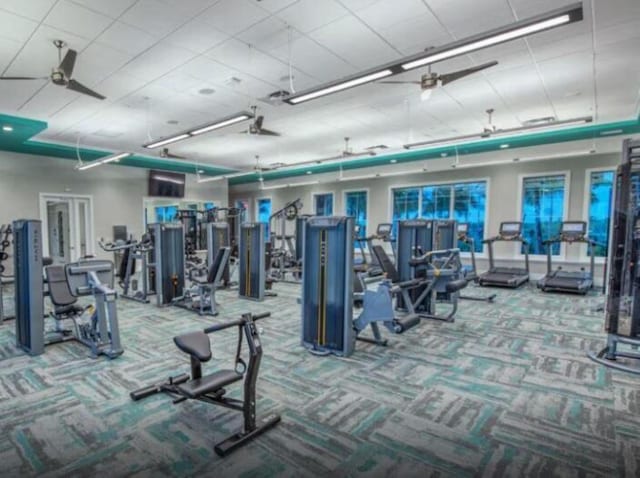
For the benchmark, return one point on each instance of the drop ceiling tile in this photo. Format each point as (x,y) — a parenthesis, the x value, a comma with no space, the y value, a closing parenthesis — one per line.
(273,6)
(614,12)
(14,27)
(8,49)
(49,100)
(268,34)
(120,85)
(33,9)
(308,15)
(415,34)
(496,13)
(197,36)
(568,76)
(233,16)
(154,17)
(97,62)
(357,5)
(76,19)
(15,93)
(382,15)
(158,60)
(529,8)
(363,50)
(178,81)
(127,38)
(111,8)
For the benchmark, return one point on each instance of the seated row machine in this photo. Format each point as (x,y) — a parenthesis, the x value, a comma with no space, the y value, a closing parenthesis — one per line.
(211,388)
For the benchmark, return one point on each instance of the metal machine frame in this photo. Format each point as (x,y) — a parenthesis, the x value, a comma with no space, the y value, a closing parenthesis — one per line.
(512,277)
(252,261)
(622,315)
(168,265)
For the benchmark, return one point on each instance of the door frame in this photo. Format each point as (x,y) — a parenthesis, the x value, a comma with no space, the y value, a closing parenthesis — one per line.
(74,214)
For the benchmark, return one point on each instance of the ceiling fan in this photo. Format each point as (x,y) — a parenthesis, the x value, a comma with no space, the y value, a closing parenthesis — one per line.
(430,81)
(165,153)
(61,75)
(347,152)
(256,126)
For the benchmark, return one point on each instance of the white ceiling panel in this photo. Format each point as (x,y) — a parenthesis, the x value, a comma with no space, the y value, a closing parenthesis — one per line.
(14,93)
(460,25)
(308,15)
(14,27)
(364,50)
(119,85)
(98,61)
(33,9)
(274,6)
(233,16)
(111,8)
(197,36)
(613,12)
(49,100)
(268,34)
(158,60)
(415,34)
(530,8)
(76,19)
(8,49)
(381,15)
(126,38)
(154,17)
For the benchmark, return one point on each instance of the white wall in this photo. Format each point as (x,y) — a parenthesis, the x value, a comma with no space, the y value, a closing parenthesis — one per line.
(503,195)
(117,191)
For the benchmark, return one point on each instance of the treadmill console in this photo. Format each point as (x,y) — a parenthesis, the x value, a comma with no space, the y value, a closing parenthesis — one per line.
(384,230)
(571,231)
(510,230)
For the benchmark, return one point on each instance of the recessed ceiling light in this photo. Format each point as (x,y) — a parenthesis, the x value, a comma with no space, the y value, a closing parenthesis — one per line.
(173,122)
(7,128)
(200,171)
(393,161)
(206,91)
(443,155)
(504,146)
(309,172)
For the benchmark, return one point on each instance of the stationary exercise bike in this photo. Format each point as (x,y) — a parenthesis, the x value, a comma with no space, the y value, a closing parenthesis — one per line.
(210,388)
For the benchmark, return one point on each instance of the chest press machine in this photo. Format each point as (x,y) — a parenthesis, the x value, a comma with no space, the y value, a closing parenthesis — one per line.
(211,388)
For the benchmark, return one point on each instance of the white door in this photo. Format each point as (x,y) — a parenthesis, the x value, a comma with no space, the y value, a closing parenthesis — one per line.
(67,227)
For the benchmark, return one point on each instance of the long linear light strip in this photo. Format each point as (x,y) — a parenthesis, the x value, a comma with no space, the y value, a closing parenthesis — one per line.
(553,19)
(457,140)
(289,185)
(340,86)
(222,123)
(226,176)
(487,42)
(522,160)
(109,159)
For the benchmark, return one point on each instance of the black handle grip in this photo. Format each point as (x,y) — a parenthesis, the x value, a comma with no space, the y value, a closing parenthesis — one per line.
(233,323)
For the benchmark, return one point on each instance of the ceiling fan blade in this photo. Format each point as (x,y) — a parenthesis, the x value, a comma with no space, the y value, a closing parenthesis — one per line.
(456,75)
(392,82)
(24,77)
(68,62)
(267,132)
(73,85)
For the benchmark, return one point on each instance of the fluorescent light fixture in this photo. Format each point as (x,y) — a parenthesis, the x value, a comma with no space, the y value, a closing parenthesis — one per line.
(553,19)
(162,142)
(486,135)
(611,132)
(339,86)
(571,154)
(7,128)
(221,123)
(108,159)
(357,178)
(504,146)
(227,176)
(491,40)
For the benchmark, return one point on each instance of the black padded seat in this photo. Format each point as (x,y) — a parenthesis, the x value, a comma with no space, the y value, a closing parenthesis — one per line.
(386,264)
(456,285)
(196,344)
(209,383)
(60,295)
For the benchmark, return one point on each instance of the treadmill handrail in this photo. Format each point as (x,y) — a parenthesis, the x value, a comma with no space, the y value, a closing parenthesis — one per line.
(500,238)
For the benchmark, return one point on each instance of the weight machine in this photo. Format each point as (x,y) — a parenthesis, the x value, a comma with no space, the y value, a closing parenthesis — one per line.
(283,242)
(622,315)
(5,244)
(167,268)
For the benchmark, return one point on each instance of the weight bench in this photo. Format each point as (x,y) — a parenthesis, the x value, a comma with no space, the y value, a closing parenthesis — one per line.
(210,388)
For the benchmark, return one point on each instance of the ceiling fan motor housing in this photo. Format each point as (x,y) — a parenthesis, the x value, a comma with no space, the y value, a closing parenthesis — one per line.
(429,80)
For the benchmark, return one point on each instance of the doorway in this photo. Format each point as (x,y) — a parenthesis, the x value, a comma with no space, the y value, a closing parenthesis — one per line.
(67,227)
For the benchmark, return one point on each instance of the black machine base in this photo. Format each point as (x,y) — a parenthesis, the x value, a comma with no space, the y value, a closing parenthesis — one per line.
(235,441)
(609,355)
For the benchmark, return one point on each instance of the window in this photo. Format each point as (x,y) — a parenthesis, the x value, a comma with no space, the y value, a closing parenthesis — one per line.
(166,213)
(209,205)
(469,205)
(600,200)
(464,202)
(323,204)
(356,206)
(406,205)
(243,205)
(542,210)
(264,213)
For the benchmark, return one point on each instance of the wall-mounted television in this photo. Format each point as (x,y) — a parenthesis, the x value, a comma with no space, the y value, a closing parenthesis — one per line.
(165,184)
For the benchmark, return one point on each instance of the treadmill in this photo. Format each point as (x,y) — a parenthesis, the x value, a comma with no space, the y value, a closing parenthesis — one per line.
(512,277)
(471,272)
(577,282)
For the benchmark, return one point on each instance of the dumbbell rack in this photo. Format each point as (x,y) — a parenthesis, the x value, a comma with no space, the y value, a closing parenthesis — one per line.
(5,244)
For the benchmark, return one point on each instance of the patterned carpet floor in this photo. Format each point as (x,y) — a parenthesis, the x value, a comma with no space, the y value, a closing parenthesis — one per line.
(506,390)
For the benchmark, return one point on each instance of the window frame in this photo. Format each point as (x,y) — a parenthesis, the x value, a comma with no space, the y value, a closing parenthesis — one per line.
(344,204)
(487,207)
(562,256)
(321,193)
(584,256)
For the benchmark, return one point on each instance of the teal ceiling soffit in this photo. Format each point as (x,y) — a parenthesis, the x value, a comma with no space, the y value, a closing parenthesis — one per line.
(18,141)
(577,133)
